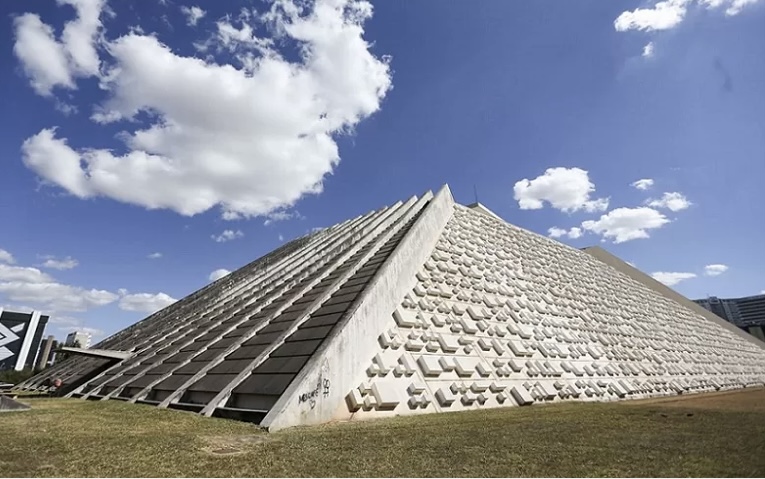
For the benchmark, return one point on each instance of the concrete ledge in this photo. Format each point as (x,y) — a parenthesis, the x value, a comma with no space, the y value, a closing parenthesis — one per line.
(98,353)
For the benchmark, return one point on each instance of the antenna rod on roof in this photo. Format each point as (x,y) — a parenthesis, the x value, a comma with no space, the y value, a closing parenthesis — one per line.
(475,192)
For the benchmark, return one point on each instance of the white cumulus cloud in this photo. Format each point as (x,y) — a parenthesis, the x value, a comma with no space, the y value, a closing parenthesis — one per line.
(144,302)
(572,233)
(249,137)
(51,62)
(218,274)
(6,257)
(281,216)
(648,50)
(672,201)
(715,269)
(642,184)
(625,224)
(227,235)
(31,286)
(565,189)
(51,295)
(193,14)
(670,278)
(59,263)
(667,14)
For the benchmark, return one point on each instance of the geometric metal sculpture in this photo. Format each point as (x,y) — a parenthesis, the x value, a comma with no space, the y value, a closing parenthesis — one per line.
(425,306)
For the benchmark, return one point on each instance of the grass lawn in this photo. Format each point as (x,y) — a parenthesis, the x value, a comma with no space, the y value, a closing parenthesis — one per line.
(721,434)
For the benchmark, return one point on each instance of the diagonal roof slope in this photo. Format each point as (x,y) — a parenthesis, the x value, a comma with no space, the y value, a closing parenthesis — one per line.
(425,306)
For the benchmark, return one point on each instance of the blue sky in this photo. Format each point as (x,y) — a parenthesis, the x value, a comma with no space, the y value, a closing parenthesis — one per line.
(133,129)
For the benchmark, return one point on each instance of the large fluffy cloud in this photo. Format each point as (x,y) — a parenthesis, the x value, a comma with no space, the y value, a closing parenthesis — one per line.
(250,137)
(625,224)
(565,189)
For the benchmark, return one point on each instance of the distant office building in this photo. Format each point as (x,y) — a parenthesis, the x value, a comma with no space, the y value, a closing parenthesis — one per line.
(78,337)
(20,335)
(748,313)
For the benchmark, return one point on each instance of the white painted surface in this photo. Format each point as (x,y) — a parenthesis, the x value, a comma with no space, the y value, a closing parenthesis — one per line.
(29,335)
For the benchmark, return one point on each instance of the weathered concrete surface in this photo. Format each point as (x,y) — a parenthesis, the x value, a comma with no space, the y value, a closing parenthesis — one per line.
(98,353)
(8,405)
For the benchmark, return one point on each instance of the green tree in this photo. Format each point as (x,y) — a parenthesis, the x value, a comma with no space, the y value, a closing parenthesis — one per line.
(63,355)
(15,377)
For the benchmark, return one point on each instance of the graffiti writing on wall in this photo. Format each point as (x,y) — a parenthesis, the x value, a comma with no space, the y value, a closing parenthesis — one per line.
(320,389)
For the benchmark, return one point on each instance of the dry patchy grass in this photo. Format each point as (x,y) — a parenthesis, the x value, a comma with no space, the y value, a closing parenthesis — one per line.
(705,435)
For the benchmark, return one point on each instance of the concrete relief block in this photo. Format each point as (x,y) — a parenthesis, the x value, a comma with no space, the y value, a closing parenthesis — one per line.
(405,367)
(386,395)
(531,369)
(405,319)
(483,369)
(521,396)
(468,326)
(518,349)
(545,390)
(448,344)
(430,366)
(458,310)
(496,387)
(355,400)
(379,366)
(408,302)
(426,305)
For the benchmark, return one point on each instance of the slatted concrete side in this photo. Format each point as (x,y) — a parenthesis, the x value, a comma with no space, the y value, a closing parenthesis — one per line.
(263,381)
(127,339)
(171,355)
(208,375)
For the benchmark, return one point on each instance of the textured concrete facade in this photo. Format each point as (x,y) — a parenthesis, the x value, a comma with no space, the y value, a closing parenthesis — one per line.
(422,307)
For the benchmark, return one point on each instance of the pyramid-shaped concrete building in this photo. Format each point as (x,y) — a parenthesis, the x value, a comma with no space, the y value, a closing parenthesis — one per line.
(425,306)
